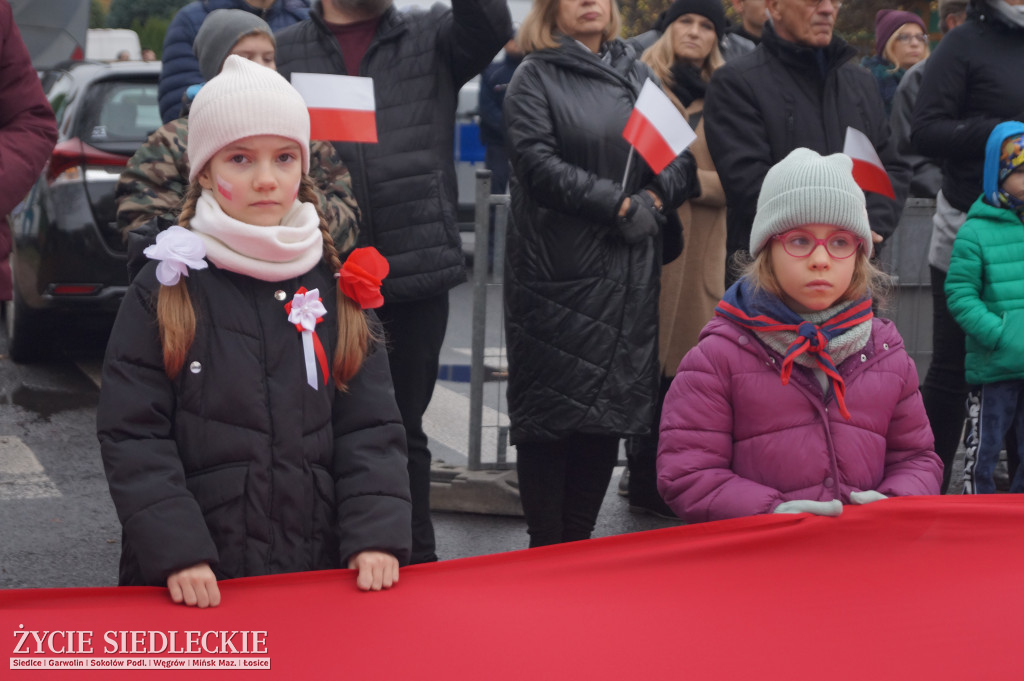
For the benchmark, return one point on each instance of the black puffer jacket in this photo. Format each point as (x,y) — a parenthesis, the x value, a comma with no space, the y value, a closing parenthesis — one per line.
(581,304)
(970,86)
(765,104)
(405,184)
(238,461)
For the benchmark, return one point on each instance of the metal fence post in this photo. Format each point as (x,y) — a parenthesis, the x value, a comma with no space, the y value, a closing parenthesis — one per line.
(479,339)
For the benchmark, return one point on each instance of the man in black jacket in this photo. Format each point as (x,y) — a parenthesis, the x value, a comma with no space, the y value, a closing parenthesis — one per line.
(968,88)
(797,89)
(405,184)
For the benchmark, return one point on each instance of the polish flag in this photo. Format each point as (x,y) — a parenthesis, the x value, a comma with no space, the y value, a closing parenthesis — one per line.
(868,170)
(656,128)
(341,108)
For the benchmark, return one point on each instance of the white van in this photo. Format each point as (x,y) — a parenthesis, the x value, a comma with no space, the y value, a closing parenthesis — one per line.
(104,44)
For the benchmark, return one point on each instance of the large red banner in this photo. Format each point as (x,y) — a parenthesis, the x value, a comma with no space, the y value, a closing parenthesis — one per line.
(912,588)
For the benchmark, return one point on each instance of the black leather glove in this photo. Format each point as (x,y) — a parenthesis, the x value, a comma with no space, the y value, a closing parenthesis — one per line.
(642,218)
(692,182)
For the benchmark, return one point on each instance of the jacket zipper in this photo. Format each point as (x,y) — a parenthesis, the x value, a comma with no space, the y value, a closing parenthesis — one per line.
(270,422)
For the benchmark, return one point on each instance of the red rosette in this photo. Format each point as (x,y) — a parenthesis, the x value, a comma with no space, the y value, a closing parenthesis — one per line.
(361,275)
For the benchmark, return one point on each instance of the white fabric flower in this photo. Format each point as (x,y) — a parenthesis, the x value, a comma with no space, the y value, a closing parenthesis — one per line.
(306,309)
(177,249)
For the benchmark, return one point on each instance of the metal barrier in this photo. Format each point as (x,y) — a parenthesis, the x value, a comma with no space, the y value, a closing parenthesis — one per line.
(905,257)
(485,282)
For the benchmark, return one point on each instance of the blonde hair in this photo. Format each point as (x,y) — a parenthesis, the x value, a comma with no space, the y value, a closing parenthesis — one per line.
(661,57)
(867,277)
(537,31)
(177,317)
(887,51)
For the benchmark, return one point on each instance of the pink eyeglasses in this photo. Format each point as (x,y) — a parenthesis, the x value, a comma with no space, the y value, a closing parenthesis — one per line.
(800,244)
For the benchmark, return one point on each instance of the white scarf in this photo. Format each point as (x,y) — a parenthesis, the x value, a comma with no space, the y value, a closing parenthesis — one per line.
(272,253)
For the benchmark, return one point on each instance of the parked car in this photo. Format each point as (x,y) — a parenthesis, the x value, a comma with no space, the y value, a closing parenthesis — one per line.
(469,152)
(69,260)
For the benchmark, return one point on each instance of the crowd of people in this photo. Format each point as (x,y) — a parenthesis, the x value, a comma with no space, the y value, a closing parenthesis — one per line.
(265,383)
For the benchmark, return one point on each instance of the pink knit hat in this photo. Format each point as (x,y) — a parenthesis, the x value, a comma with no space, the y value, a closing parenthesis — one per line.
(888,21)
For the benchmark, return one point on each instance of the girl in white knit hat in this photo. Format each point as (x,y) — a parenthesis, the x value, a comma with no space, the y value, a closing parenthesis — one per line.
(247,421)
(796,398)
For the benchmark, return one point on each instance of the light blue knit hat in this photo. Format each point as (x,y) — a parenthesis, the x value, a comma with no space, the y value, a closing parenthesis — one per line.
(806,188)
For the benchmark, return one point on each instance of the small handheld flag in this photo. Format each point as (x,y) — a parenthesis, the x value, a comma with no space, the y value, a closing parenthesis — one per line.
(868,170)
(341,108)
(656,128)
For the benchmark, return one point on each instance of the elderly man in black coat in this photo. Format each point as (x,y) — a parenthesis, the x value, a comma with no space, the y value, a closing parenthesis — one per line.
(797,89)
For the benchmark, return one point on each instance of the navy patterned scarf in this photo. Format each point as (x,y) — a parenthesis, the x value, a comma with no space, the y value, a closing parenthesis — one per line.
(761,311)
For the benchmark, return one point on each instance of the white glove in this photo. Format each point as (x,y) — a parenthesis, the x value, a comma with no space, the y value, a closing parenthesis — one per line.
(866,497)
(829,508)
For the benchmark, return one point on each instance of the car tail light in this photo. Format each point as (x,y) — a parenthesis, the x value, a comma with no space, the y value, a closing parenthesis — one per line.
(69,157)
(78,54)
(74,289)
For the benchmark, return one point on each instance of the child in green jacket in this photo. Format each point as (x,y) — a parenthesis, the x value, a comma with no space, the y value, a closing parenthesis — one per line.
(985,289)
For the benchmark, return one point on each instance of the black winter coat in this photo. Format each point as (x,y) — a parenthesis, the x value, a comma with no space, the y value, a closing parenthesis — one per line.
(581,305)
(238,461)
(405,184)
(970,86)
(765,104)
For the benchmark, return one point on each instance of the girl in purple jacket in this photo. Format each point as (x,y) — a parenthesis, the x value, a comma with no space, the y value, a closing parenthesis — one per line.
(797,399)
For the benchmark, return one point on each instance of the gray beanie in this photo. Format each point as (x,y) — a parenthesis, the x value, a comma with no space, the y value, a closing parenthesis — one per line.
(220,32)
(806,188)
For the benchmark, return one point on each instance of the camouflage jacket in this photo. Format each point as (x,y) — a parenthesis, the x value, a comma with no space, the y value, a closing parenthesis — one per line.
(156,177)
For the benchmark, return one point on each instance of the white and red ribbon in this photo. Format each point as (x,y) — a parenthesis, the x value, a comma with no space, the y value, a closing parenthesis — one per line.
(305,311)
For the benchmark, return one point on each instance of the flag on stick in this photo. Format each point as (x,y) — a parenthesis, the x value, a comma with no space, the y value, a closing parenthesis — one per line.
(341,108)
(868,170)
(656,128)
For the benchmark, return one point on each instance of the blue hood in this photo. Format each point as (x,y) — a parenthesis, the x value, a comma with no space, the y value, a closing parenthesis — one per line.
(990,180)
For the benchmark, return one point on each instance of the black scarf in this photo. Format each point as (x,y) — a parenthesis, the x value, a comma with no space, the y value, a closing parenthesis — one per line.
(688,84)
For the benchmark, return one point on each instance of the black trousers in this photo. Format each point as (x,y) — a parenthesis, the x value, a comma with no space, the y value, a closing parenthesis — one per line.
(642,456)
(496,160)
(945,389)
(415,332)
(562,485)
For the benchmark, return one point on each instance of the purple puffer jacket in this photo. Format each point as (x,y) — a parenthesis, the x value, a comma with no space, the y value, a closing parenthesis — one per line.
(736,442)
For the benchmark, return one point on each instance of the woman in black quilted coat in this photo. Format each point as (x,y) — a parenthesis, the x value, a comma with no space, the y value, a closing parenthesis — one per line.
(584,253)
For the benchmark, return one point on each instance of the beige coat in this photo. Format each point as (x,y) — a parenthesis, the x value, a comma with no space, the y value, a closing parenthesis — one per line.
(693,283)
